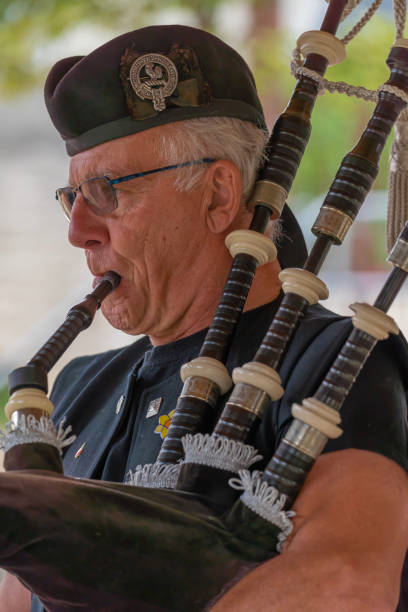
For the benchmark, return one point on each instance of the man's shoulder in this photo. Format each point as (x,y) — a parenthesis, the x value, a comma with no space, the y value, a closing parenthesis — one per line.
(320,318)
(320,331)
(319,339)
(318,327)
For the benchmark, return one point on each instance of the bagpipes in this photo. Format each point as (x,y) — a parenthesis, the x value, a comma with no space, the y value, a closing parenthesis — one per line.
(99,545)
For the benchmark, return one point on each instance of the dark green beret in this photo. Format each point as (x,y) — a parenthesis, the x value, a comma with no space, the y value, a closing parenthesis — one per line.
(189,72)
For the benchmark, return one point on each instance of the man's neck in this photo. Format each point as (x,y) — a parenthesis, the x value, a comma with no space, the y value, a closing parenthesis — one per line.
(265,288)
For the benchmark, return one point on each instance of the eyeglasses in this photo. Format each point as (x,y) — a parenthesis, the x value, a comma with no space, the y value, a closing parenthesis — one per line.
(99,192)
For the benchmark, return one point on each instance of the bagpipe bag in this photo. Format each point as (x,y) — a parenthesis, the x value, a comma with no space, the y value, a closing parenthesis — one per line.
(118,547)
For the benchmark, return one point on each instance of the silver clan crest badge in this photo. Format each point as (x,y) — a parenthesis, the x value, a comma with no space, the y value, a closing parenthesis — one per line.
(154,77)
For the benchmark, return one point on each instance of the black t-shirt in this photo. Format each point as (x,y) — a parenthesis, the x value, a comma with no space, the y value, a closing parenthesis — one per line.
(120,403)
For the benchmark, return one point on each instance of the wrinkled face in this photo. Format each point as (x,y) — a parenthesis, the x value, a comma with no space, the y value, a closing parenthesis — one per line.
(152,239)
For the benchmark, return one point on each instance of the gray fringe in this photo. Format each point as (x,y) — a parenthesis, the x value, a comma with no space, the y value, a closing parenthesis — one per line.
(219,452)
(154,475)
(31,430)
(264,500)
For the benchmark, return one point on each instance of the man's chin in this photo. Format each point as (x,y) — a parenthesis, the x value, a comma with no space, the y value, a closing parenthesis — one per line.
(119,319)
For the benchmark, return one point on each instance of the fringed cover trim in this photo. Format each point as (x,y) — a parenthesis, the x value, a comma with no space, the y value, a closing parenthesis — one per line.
(219,452)
(264,500)
(31,430)
(154,476)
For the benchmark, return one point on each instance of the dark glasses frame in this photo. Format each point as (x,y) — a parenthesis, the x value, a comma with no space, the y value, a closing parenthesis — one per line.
(66,195)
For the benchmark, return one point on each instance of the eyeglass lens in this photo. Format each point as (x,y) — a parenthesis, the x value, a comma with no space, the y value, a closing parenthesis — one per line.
(66,198)
(98,194)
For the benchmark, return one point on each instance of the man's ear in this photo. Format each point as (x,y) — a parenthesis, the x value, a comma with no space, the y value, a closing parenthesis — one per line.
(222,195)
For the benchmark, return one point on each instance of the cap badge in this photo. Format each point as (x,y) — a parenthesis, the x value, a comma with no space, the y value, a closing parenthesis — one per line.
(154,77)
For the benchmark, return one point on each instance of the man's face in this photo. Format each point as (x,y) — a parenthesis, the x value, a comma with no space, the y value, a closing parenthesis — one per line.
(153,239)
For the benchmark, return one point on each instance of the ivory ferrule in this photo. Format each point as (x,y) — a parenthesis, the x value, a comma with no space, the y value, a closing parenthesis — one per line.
(399,254)
(249,398)
(318,415)
(323,43)
(373,321)
(207,367)
(269,194)
(261,376)
(332,222)
(251,243)
(29,400)
(303,283)
(201,388)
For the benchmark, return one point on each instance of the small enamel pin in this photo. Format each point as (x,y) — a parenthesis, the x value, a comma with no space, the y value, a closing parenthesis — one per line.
(164,424)
(80,450)
(154,407)
(119,404)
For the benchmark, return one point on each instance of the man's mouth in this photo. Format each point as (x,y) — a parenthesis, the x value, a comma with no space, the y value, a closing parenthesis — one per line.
(96,280)
(99,273)
(98,277)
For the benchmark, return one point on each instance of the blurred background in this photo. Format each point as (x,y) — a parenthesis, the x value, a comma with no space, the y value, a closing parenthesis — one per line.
(41,275)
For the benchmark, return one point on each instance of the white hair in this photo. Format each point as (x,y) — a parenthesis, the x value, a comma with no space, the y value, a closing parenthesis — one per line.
(228,138)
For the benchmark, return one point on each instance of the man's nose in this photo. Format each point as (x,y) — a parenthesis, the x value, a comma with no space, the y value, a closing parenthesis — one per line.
(86,229)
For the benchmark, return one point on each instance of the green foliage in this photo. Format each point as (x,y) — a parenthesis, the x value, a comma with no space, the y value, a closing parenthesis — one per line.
(3,400)
(28,27)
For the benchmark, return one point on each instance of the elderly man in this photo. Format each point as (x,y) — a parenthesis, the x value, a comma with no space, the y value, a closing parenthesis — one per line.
(165,133)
